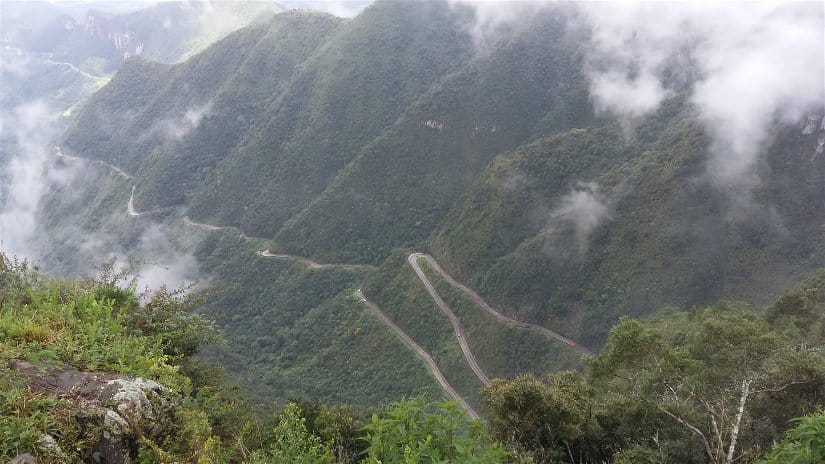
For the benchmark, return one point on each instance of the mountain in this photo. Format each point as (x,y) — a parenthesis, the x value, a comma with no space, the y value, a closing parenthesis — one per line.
(59,54)
(100,40)
(106,374)
(342,146)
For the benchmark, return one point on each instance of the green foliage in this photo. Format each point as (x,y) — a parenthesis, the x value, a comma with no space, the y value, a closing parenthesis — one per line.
(709,385)
(413,432)
(395,288)
(803,444)
(54,322)
(798,312)
(679,388)
(339,425)
(548,421)
(24,419)
(292,443)
(295,332)
(94,325)
(717,367)
(503,350)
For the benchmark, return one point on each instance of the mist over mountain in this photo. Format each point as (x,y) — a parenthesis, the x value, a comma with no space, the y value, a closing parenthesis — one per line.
(487,187)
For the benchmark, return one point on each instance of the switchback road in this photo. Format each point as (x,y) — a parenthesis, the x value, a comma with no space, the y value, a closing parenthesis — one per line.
(501,317)
(420,351)
(457,329)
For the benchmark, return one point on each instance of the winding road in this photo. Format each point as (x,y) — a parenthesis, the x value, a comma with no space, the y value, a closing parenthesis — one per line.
(313,264)
(76,69)
(419,351)
(214,228)
(457,330)
(59,153)
(413,258)
(130,207)
(413,261)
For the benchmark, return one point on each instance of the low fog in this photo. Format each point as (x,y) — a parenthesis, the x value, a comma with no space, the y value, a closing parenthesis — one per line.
(33,174)
(744,66)
(753,65)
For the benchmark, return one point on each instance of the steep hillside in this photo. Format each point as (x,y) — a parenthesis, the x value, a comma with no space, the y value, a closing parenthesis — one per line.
(403,182)
(666,238)
(254,157)
(295,332)
(99,41)
(360,141)
(345,95)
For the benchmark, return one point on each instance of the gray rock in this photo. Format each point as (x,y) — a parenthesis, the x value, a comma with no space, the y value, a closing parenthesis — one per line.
(115,409)
(24,458)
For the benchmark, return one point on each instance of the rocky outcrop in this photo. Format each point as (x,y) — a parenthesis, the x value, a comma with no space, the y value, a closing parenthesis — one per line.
(112,411)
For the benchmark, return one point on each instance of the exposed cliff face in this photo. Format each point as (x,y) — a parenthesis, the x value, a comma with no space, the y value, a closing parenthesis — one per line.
(101,41)
(112,411)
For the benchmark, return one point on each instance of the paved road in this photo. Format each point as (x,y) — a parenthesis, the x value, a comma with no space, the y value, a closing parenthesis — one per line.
(457,329)
(312,264)
(501,317)
(101,79)
(420,351)
(59,153)
(130,207)
(201,225)
(213,228)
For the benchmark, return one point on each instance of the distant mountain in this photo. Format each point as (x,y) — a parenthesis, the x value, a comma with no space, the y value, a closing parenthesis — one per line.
(360,140)
(99,41)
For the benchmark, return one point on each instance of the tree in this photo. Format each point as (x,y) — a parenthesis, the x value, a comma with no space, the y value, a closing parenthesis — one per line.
(713,373)
(292,443)
(548,421)
(803,444)
(415,432)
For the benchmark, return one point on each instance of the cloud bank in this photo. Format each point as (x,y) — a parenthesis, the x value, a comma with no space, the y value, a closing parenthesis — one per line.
(581,210)
(178,128)
(27,129)
(745,67)
(31,174)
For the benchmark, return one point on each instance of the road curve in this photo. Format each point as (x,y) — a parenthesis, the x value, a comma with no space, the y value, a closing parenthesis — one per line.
(201,225)
(76,69)
(501,317)
(59,153)
(213,228)
(130,207)
(420,351)
(457,329)
(312,264)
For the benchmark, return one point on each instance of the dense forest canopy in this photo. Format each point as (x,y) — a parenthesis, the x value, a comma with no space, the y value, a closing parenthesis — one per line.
(418,231)
(706,385)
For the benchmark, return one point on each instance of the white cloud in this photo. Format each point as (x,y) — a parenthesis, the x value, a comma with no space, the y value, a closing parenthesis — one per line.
(584,208)
(745,65)
(179,127)
(25,176)
(754,64)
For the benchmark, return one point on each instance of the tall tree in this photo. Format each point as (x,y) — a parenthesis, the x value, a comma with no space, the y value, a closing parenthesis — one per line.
(713,373)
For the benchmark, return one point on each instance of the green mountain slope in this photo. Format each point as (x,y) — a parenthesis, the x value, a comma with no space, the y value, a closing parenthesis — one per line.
(359,141)
(100,40)
(403,182)
(356,86)
(671,239)
(294,332)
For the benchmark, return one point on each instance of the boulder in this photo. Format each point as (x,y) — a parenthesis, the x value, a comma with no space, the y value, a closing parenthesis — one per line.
(112,410)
